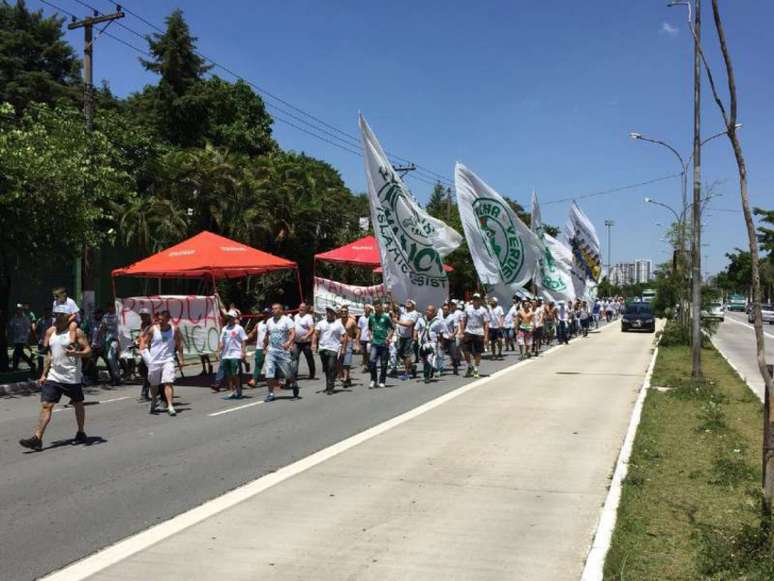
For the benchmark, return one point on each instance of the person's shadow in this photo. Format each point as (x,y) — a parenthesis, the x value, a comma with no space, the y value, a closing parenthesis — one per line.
(90,441)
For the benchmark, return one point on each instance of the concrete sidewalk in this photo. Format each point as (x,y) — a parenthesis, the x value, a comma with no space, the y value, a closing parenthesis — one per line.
(504,481)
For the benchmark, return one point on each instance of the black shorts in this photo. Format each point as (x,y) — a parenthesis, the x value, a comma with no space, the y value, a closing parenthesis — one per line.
(52,392)
(495,334)
(405,347)
(537,333)
(473,344)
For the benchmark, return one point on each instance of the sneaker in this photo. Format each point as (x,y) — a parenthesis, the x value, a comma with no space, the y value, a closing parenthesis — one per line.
(372,385)
(270,397)
(232,396)
(382,385)
(403,376)
(33,443)
(80,438)
(475,373)
(172,411)
(469,371)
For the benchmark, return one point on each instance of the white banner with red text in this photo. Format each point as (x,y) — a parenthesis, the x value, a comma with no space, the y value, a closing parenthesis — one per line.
(329,293)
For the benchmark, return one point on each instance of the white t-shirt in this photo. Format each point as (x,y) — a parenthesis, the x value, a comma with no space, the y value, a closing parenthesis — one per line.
(436,329)
(232,339)
(495,316)
(260,336)
(365,332)
(412,316)
(69,306)
(511,315)
(474,319)
(540,314)
(330,335)
(304,324)
(279,332)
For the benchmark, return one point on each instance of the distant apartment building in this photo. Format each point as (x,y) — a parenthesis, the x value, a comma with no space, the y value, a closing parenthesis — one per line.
(626,273)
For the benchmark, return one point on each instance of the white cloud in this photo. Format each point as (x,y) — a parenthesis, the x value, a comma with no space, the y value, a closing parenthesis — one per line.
(668,29)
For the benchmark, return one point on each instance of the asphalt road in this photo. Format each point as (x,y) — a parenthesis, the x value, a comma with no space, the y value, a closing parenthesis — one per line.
(68,501)
(736,340)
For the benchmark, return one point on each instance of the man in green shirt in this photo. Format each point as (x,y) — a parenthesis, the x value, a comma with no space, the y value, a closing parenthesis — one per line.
(381,326)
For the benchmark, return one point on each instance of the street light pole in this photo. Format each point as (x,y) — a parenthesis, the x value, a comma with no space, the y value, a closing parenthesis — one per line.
(696,338)
(609,225)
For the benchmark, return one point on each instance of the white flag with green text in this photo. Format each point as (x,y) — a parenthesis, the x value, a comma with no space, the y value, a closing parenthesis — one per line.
(505,251)
(412,243)
(553,277)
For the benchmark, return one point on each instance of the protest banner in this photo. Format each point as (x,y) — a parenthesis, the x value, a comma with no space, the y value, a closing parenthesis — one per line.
(197,317)
(329,293)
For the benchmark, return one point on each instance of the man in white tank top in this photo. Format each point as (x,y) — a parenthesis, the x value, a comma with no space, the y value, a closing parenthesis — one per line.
(161,346)
(65,347)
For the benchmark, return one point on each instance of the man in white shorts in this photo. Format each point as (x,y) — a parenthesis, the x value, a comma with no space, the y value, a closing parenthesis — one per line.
(161,346)
(280,337)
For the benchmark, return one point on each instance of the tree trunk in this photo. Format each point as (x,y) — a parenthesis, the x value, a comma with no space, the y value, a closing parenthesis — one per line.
(696,338)
(768,419)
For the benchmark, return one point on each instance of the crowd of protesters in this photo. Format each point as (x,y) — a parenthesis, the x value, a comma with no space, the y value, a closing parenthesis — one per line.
(387,340)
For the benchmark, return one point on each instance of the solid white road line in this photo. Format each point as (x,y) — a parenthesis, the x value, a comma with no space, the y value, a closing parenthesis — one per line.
(595,561)
(100,401)
(142,540)
(738,322)
(239,407)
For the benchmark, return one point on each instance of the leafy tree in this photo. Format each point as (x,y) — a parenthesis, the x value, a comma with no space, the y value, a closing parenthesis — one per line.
(57,186)
(440,201)
(174,55)
(36,63)
(766,233)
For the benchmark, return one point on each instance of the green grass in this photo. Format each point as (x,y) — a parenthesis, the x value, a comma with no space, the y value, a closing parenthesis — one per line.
(690,503)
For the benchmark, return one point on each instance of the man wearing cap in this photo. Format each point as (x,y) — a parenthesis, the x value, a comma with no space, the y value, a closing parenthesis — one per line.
(365,334)
(406,326)
(161,345)
(451,318)
(474,330)
(330,341)
(496,322)
(280,336)
(66,348)
(232,350)
(509,321)
(538,319)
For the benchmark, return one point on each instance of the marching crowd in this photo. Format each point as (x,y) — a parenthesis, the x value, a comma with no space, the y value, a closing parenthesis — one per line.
(388,339)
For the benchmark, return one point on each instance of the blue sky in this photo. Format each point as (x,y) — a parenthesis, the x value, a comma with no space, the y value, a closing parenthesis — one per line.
(529,95)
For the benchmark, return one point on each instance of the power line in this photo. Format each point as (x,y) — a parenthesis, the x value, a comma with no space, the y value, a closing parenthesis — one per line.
(614,190)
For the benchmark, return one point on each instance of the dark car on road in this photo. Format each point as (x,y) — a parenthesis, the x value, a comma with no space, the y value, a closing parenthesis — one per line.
(638,317)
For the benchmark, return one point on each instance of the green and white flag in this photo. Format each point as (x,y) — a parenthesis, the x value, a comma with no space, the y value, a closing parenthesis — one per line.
(553,277)
(412,243)
(505,251)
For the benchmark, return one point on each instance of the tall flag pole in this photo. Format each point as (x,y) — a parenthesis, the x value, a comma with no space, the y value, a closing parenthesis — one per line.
(412,243)
(505,251)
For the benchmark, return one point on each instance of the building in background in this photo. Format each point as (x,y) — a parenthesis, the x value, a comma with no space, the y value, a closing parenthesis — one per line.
(627,273)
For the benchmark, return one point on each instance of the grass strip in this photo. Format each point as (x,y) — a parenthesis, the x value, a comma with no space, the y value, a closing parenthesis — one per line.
(690,505)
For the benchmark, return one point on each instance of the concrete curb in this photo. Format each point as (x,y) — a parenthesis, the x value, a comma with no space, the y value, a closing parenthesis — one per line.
(19,387)
(603,535)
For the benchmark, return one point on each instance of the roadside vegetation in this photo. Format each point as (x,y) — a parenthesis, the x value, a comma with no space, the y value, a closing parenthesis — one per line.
(691,503)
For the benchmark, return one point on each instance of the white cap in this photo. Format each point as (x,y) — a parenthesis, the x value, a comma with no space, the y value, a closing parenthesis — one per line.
(232,314)
(476,295)
(145,311)
(411,302)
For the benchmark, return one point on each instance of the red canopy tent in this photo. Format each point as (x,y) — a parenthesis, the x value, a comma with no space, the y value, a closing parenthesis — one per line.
(363,252)
(208,255)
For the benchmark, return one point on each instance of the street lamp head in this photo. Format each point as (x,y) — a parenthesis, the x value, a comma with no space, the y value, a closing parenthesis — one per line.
(635,135)
(648,200)
(738,125)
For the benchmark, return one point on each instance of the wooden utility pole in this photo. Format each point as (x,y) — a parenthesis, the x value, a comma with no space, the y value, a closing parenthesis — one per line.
(696,338)
(84,280)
